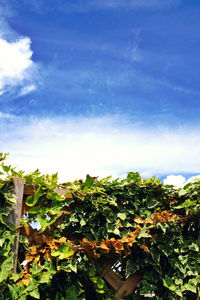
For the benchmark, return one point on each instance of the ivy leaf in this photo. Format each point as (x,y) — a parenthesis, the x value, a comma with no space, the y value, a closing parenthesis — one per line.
(143,234)
(1,242)
(162,226)
(63,252)
(122,216)
(188,287)
(156,257)
(182,192)
(6,267)
(9,236)
(179,281)
(32,200)
(82,222)
(72,218)
(186,204)
(131,267)
(147,287)
(56,206)
(6,168)
(73,265)
(35,294)
(71,293)
(55,197)
(15,290)
(112,228)
(151,203)
(100,283)
(44,222)
(11,198)
(168,283)
(178,292)
(89,181)
(3,220)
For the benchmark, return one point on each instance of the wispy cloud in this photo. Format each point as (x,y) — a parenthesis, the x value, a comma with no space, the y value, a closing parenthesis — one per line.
(27,89)
(84,6)
(7,116)
(75,146)
(135,4)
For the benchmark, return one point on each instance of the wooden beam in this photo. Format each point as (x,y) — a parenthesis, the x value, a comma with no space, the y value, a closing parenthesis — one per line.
(128,286)
(112,278)
(30,190)
(15,216)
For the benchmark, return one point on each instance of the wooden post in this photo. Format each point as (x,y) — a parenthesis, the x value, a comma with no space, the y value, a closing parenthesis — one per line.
(15,216)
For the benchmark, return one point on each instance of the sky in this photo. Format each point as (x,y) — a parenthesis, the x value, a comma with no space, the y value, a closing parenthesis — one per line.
(101,87)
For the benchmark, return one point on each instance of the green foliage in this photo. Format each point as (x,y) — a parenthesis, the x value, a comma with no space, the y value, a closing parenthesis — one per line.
(148,227)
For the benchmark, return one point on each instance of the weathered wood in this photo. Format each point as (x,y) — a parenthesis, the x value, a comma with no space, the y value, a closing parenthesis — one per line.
(15,215)
(128,286)
(29,190)
(112,278)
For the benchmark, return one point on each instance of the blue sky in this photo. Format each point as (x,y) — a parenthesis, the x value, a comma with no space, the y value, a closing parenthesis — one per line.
(101,86)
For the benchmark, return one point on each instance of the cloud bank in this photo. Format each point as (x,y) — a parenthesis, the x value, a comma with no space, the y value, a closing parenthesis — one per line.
(76,146)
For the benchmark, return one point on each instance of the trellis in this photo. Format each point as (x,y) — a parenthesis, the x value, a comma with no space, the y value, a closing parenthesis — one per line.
(122,288)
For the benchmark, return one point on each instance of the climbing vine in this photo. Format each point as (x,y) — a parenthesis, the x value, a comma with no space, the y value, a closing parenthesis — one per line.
(138,226)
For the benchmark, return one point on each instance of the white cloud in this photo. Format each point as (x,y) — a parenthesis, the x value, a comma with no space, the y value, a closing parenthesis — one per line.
(176,180)
(16,65)
(179,180)
(99,146)
(191,179)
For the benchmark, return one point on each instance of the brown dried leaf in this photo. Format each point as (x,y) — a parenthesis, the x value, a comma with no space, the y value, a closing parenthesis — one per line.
(34,250)
(145,248)
(29,258)
(127,251)
(48,255)
(38,238)
(26,280)
(153,238)
(129,241)
(104,247)
(90,248)
(118,247)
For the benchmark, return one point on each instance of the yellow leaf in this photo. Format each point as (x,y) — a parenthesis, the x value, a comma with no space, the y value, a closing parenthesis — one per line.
(138,220)
(61,240)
